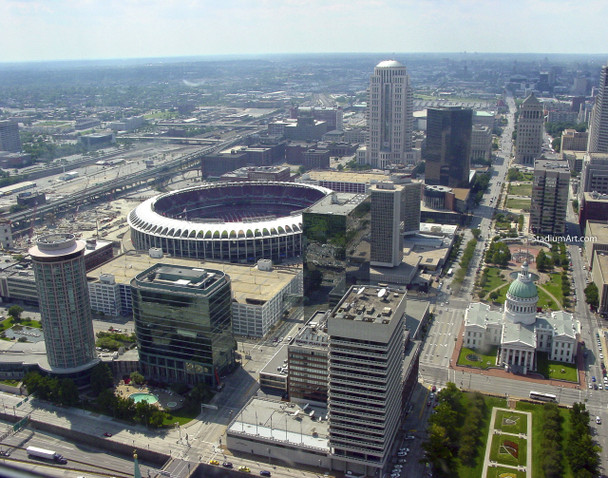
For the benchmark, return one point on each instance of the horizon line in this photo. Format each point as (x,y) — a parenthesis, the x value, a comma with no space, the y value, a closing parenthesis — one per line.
(227,55)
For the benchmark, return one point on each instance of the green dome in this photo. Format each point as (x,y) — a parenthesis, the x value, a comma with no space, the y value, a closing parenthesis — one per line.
(522,290)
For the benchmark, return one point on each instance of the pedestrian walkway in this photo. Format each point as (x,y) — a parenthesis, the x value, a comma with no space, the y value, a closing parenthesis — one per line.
(492,431)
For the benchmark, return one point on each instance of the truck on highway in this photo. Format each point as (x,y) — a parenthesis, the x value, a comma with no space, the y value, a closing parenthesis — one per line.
(46,454)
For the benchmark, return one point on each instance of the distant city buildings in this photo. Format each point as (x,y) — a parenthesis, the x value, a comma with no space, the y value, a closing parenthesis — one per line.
(573,140)
(481,143)
(389,115)
(448,147)
(598,126)
(549,197)
(530,131)
(65,310)
(128,124)
(333,117)
(183,324)
(9,136)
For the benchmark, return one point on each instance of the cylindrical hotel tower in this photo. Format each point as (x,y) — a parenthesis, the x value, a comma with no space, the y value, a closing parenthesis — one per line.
(64,301)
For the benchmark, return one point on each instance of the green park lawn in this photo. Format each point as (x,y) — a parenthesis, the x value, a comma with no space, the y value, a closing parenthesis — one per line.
(494,279)
(483,358)
(554,286)
(544,300)
(500,453)
(537,429)
(524,189)
(513,203)
(556,370)
(502,472)
(511,422)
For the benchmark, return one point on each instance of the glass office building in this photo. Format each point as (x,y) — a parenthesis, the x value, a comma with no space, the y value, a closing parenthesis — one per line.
(335,244)
(183,324)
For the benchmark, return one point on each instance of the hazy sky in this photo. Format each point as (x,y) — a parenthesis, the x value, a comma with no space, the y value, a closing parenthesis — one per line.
(91,29)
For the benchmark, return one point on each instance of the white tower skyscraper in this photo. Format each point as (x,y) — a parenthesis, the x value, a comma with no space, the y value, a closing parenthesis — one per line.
(389,115)
(598,127)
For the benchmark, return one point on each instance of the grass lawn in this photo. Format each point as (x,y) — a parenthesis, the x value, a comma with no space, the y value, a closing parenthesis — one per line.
(511,422)
(12,383)
(520,189)
(537,427)
(554,286)
(502,454)
(485,358)
(494,279)
(553,369)
(161,115)
(513,203)
(475,471)
(502,472)
(31,323)
(6,324)
(543,299)
(182,416)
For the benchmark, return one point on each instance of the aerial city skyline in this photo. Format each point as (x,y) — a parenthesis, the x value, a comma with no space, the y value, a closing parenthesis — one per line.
(298,264)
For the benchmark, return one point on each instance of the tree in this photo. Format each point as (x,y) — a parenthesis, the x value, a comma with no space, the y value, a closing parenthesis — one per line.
(15,312)
(137,378)
(101,378)
(543,262)
(476,233)
(592,295)
(437,449)
(494,295)
(68,392)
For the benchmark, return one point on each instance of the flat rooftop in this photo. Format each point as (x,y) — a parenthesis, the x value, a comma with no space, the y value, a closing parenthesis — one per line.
(552,165)
(340,204)
(348,177)
(283,422)
(369,304)
(248,282)
(277,365)
(599,230)
(314,333)
(186,278)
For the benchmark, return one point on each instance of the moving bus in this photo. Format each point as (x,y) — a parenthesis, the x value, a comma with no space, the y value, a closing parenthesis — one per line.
(544,397)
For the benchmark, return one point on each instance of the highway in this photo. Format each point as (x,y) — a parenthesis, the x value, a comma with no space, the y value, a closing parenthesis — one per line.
(21,220)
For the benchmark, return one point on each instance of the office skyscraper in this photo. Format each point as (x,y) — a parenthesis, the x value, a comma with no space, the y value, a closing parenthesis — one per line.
(448,146)
(598,127)
(390,115)
(367,340)
(410,205)
(65,310)
(530,130)
(183,323)
(9,136)
(387,241)
(549,197)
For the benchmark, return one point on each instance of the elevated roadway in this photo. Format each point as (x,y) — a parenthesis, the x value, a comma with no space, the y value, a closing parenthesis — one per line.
(21,220)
